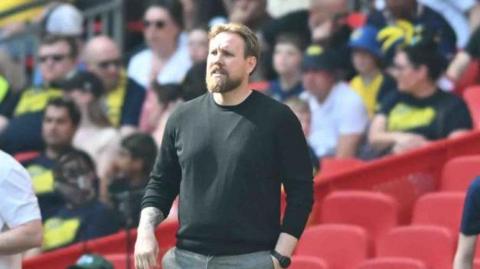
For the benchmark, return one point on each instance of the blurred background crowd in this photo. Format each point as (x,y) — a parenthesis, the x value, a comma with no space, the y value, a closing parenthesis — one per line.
(86,87)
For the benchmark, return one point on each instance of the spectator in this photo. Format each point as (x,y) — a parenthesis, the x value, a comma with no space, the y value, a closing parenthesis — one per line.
(91,261)
(95,134)
(287,62)
(408,17)
(370,83)
(83,217)
(198,45)
(20,221)
(339,117)
(419,112)
(129,175)
(60,122)
(252,13)
(166,59)
(123,96)
(21,114)
(328,26)
(301,109)
(169,96)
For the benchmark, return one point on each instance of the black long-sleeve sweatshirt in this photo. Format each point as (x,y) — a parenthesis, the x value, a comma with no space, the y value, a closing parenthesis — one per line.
(228,163)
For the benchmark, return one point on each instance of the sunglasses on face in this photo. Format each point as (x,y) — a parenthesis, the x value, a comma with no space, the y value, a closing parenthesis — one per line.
(159,24)
(107,63)
(53,57)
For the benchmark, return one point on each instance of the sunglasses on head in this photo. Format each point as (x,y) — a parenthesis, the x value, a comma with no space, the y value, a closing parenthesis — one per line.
(53,57)
(159,24)
(107,63)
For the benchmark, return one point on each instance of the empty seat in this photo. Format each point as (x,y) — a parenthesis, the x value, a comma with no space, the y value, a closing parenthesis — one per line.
(375,211)
(440,208)
(458,173)
(434,245)
(471,95)
(341,246)
(307,262)
(392,263)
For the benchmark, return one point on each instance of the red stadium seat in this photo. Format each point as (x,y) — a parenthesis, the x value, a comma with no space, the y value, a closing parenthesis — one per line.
(440,208)
(471,95)
(433,245)
(375,211)
(458,173)
(392,263)
(331,166)
(341,246)
(119,261)
(476,264)
(307,262)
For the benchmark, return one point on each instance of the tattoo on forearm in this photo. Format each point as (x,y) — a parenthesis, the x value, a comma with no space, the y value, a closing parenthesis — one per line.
(151,217)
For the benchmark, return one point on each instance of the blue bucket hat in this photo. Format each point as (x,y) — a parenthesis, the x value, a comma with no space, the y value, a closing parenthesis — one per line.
(366,38)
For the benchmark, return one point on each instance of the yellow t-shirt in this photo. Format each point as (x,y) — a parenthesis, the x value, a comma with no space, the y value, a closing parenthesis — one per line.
(23,16)
(368,92)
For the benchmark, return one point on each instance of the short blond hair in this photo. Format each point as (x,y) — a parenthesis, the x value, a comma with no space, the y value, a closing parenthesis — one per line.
(252,46)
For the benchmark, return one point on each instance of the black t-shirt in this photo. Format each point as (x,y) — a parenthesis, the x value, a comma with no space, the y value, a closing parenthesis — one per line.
(40,170)
(434,117)
(228,163)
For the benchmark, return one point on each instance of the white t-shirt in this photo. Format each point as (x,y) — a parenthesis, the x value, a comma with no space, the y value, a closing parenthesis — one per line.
(342,113)
(453,11)
(174,71)
(18,203)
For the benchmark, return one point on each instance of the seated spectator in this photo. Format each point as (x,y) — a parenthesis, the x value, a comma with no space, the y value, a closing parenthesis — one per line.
(166,59)
(301,109)
(21,114)
(370,83)
(123,96)
(287,62)
(418,112)
(339,117)
(129,175)
(409,16)
(83,217)
(95,134)
(198,45)
(60,122)
(91,261)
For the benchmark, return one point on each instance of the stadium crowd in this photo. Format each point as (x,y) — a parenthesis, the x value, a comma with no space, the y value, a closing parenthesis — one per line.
(365,78)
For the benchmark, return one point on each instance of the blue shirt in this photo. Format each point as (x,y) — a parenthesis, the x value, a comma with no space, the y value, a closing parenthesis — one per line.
(471,210)
(280,94)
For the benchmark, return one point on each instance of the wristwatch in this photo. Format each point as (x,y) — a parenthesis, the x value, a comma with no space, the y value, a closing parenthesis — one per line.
(283,260)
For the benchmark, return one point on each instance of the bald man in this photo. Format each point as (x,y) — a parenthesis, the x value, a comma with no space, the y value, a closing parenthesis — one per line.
(124,97)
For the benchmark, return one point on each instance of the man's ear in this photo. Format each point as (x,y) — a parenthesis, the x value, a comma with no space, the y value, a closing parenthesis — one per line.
(251,64)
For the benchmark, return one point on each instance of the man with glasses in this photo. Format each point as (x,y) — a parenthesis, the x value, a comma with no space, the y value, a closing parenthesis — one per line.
(21,114)
(419,112)
(124,96)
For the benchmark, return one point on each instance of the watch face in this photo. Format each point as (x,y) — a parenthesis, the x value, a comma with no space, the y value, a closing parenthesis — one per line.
(285,262)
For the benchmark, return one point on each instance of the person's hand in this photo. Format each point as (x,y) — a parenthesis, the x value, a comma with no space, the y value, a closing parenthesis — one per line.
(146,251)
(322,31)
(407,141)
(276,264)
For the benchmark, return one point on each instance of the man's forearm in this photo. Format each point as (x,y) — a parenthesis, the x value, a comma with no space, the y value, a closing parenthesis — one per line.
(150,217)
(21,238)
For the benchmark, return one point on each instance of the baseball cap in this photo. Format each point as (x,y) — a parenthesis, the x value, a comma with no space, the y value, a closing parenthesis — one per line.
(318,58)
(91,261)
(84,80)
(366,38)
(65,19)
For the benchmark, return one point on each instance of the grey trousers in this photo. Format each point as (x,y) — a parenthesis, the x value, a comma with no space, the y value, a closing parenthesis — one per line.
(182,259)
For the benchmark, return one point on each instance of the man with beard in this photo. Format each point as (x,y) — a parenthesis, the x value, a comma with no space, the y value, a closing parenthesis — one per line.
(226,153)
